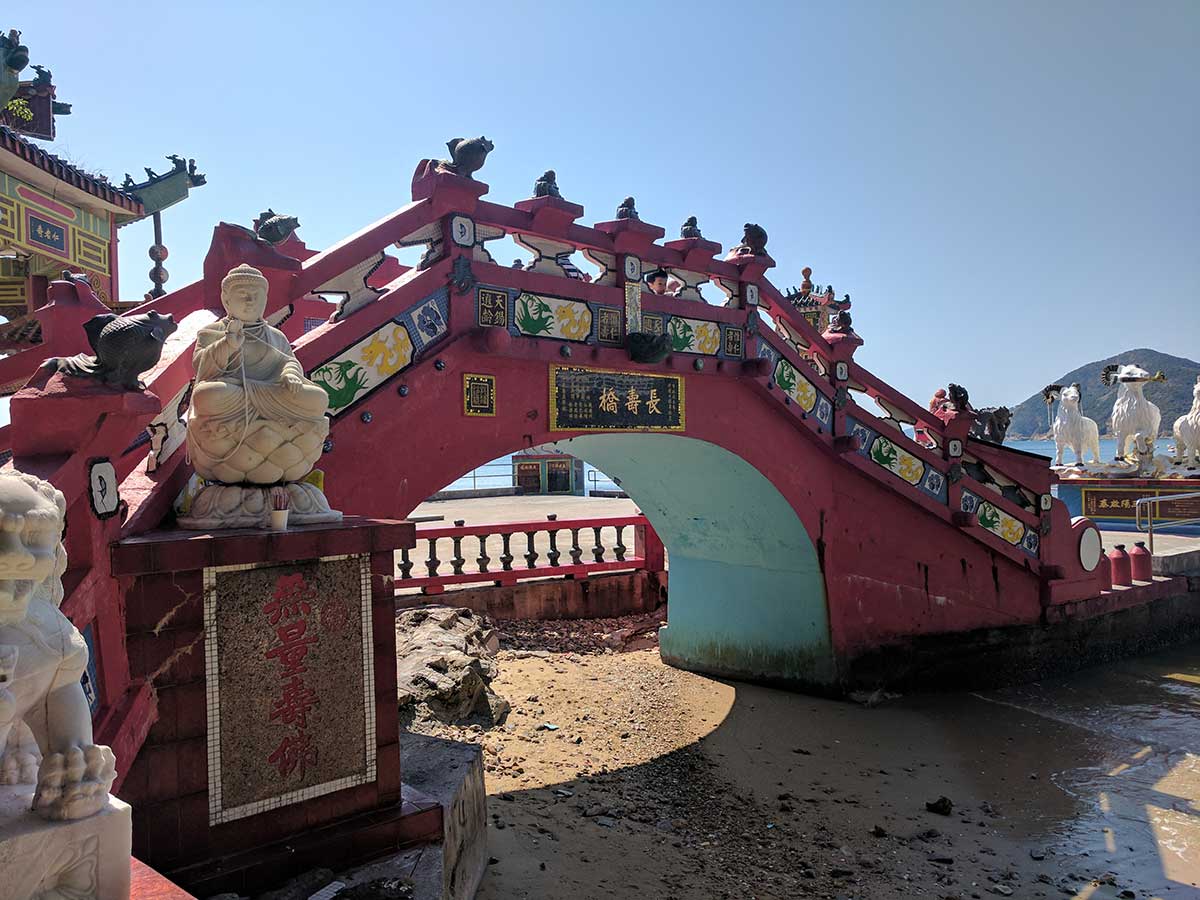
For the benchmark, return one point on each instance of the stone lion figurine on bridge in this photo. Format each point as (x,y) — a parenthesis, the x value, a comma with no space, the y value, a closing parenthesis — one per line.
(256,420)
(45,722)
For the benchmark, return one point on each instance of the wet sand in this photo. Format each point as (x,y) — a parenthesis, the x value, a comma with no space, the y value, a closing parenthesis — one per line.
(659,783)
(1086,786)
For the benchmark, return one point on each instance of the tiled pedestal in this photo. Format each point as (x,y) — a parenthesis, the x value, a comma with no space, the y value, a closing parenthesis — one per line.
(272,655)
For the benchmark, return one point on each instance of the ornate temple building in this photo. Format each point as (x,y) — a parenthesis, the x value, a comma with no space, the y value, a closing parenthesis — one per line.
(53,215)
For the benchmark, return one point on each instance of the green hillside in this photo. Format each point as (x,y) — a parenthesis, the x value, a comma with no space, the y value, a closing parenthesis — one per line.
(1174,397)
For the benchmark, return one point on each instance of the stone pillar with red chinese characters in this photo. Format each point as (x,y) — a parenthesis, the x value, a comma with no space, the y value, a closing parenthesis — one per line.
(273,659)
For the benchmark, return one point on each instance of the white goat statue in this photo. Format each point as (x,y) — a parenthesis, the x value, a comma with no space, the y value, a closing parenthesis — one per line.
(1187,432)
(1071,427)
(1132,413)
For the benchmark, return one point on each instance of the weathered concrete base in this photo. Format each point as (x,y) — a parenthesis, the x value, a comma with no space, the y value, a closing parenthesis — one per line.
(597,597)
(88,859)
(452,774)
(998,656)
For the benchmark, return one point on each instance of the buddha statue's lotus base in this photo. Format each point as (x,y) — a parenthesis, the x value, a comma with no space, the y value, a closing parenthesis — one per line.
(262,452)
(219,506)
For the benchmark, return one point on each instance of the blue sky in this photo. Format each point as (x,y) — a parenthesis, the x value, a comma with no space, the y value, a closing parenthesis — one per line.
(1006,190)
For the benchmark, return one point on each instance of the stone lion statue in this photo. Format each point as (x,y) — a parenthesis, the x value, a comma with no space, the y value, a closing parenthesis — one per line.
(45,722)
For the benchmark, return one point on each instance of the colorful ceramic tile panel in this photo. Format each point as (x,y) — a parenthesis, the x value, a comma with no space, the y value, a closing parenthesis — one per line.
(428,321)
(887,453)
(694,336)
(824,410)
(364,366)
(361,368)
(1000,523)
(552,317)
(795,385)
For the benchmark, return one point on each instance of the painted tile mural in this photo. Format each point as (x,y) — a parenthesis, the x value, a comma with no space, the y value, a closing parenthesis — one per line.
(1000,523)
(360,369)
(694,336)
(543,316)
(795,385)
(887,453)
(897,460)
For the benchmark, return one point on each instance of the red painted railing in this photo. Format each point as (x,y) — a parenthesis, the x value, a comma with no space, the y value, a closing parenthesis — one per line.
(508,553)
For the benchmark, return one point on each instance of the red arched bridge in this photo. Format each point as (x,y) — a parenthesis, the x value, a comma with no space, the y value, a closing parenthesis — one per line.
(808,531)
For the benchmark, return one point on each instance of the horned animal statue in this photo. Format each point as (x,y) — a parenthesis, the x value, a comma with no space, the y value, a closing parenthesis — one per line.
(1187,432)
(1132,413)
(1071,427)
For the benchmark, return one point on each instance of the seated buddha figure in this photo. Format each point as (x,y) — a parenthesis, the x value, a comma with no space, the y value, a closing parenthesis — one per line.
(255,419)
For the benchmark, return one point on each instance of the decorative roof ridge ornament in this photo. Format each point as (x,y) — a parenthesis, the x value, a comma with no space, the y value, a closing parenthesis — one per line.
(754,241)
(178,165)
(467,156)
(14,56)
(547,185)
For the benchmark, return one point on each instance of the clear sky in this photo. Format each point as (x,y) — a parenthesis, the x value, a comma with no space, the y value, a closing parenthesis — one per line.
(1006,190)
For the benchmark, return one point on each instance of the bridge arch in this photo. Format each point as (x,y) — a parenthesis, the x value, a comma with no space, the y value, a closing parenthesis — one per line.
(747,588)
(747,591)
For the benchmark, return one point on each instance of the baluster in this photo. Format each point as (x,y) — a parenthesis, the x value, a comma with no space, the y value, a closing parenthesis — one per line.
(553,555)
(619,549)
(483,559)
(433,562)
(506,558)
(531,556)
(598,549)
(576,550)
(406,565)
(458,560)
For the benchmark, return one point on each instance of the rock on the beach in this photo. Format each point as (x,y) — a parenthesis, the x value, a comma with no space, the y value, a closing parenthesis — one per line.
(445,666)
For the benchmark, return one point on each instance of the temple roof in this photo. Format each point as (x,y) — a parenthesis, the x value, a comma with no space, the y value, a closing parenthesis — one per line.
(64,171)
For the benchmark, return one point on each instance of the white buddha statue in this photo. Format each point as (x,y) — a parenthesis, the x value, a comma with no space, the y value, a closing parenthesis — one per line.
(255,420)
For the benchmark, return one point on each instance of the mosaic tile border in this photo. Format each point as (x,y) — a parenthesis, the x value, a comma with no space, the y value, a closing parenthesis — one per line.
(217,814)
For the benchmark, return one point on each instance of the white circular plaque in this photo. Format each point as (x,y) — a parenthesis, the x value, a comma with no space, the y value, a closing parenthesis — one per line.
(1089,549)
(633,268)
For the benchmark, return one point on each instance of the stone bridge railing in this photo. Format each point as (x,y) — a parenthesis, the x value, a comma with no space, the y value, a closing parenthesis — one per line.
(508,553)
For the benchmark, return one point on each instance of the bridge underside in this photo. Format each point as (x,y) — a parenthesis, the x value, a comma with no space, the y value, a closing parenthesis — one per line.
(747,592)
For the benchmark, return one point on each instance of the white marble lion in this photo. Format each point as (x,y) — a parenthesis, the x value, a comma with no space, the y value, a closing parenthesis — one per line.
(45,722)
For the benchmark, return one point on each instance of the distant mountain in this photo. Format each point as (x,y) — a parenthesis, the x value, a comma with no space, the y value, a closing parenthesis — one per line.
(1174,397)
